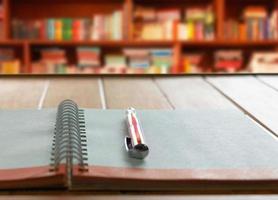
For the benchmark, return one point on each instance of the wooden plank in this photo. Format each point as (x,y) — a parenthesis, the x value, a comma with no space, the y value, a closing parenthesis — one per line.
(141,93)
(140,197)
(254,97)
(84,91)
(18,93)
(271,81)
(192,92)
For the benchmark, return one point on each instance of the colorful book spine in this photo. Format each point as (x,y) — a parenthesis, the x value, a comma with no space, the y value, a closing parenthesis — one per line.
(51,29)
(76,30)
(190,30)
(242,32)
(67,29)
(199,30)
(100,27)
(261,28)
(255,30)
(168,25)
(43,30)
(250,29)
(58,29)
(258,25)
(266,34)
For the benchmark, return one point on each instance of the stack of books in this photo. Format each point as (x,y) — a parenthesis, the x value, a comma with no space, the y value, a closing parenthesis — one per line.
(8,63)
(52,60)
(137,58)
(10,67)
(263,62)
(256,24)
(108,27)
(193,63)
(115,61)
(234,30)
(156,24)
(167,24)
(88,57)
(228,60)
(54,56)
(130,60)
(162,59)
(199,24)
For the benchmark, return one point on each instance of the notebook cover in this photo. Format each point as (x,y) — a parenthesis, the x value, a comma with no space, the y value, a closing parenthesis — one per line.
(26,141)
(189,149)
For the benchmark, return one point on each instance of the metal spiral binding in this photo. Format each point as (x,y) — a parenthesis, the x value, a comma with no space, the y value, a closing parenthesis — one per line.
(69,142)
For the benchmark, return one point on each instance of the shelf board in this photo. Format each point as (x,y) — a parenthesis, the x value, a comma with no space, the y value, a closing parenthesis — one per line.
(100,43)
(141,43)
(231,43)
(11,42)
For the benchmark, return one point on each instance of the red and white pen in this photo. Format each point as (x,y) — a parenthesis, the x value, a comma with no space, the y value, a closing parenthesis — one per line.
(135,142)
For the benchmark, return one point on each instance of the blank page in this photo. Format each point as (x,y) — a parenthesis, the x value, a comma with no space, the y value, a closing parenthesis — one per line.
(182,139)
(26,138)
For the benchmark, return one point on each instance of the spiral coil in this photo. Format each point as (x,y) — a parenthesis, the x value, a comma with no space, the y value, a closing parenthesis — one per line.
(69,141)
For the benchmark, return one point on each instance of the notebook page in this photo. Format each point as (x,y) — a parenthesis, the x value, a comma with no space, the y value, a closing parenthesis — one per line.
(182,139)
(26,138)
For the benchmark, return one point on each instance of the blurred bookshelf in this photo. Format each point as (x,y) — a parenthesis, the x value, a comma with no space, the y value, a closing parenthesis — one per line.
(138,36)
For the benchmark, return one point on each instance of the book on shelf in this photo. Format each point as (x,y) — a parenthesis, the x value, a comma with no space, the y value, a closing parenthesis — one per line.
(263,62)
(139,62)
(2,36)
(108,26)
(88,57)
(138,58)
(162,59)
(228,60)
(149,60)
(1,22)
(199,24)
(99,27)
(167,24)
(193,63)
(73,148)
(10,67)
(115,61)
(9,64)
(1,12)
(256,24)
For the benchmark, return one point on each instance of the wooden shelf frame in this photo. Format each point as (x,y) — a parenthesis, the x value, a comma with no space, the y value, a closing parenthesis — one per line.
(128,5)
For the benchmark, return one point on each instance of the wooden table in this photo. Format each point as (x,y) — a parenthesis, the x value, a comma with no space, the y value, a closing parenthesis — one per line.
(257,96)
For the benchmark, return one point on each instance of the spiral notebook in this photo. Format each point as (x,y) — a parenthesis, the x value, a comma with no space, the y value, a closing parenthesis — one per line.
(190,150)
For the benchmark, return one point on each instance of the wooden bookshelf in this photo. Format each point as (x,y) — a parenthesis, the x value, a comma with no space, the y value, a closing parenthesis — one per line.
(33,9)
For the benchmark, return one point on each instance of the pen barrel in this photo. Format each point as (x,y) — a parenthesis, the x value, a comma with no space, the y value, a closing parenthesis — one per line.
(134,128)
